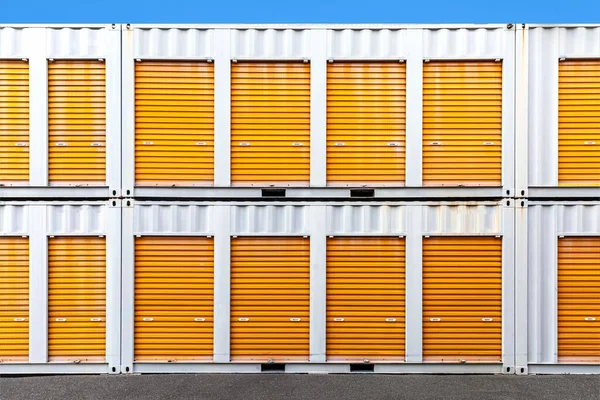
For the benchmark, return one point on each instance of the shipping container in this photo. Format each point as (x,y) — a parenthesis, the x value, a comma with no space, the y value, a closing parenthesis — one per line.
(60,292)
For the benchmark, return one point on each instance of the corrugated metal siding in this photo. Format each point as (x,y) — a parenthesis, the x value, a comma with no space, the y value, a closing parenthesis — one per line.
(579,299)
(462,286)
(462,123)
(14,299)
(366,123)
(77,122)
(173,298)
(365,299)
(77,299)
(14,122)
(270,279)
(174,43)
(270,123)
(174,123)
(579,123)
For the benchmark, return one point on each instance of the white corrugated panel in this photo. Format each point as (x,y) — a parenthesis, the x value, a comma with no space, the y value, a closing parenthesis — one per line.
(79,42)
(366,220)
(270,43)
(269,219)
(174,43)
(12,42)
(466,42)
(463,219)
(76,219)
(179,219)
(13,220)
(366,43)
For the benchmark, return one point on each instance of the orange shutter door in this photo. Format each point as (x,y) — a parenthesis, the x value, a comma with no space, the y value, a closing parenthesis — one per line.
(462,299)
(365,299)
(14,299)
(579,123)
(77,122)
(270,298)
(77,299)
(462,123)
(173,298)
(174,123)
(579,299)
(366,123)
(14,122)
(270,123)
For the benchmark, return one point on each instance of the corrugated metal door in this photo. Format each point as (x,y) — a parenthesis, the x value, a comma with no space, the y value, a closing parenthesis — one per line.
(174,123)
(579,123)
(76,122)
(462,299)
(14,299)
(77,299)
(579,299)
(270,298)
(173,298)
(365,299)
(366,123)
(270,123)
(462,123)
(14,122)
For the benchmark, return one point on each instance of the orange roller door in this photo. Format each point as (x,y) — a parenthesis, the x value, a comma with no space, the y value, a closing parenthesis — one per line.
(173,298)
(366,123)
(462,299)
(579,299)
(579,123)
(14,122)
(270,299)
(365,299)
(462,123)
(174,123)
(76,122)
(14,299)
(77,299)
(270,123)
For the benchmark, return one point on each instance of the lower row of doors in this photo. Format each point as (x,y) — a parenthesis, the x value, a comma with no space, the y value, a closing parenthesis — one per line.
(270,299)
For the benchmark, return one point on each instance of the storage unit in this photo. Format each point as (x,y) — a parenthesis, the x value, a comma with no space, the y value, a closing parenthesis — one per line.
(462,299)
(365,299)
(366,123)
(14,299)
(174,122)
(173,298)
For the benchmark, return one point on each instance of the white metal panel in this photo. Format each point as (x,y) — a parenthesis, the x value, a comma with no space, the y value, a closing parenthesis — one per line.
(173,43)
(578,219)
(452,43)
(579,41)
(366,220)
(173,219)
(269,220)
(367,44)
(78,42)
(13,220)
(472,219)
(12,42)
(73,219)
(283,44)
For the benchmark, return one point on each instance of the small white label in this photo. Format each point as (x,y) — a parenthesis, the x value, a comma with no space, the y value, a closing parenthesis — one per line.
(19,319)
(590,143)
(243,319)
(96,144)
(21,144)
(96,319)
(297,144)
(393,144)
(199,319)
(338,319)
(147,319)
(590,318)
(435,319)
(488,143)
(60,319)
(487,319)
(435,143)
(390,320)
(244,144)
(200,143)
(295,319)
(61,144)
(147,143)
(339,144)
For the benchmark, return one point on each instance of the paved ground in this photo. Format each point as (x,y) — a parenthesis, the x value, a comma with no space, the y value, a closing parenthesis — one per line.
(313,387)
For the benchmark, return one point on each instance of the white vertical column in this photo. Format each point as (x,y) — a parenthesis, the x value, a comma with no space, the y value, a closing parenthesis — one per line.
(127,285)
(508,114)
(521,103)
(113,110)
(113,286)
(222,279)
(414,287)
(38,107)
(521,287)
(38,285)
(414,108)
(318,108)
(318,284)
(222,107)
(127,111)
(508,286)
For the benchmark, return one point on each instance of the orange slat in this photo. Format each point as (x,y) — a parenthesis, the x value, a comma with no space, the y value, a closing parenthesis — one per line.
(462,285)
(174,133)
(14,122)
(263,303)
(270,123)
(365,299)
(76,122)
(173,299)
(77,299)
(579,123)
(462,123)
(14,299)
(579,299)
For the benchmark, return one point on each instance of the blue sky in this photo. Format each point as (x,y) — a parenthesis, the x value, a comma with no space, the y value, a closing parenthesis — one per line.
(299,11)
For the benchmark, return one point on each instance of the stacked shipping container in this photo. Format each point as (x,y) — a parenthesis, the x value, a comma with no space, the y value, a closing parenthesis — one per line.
(309,198)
